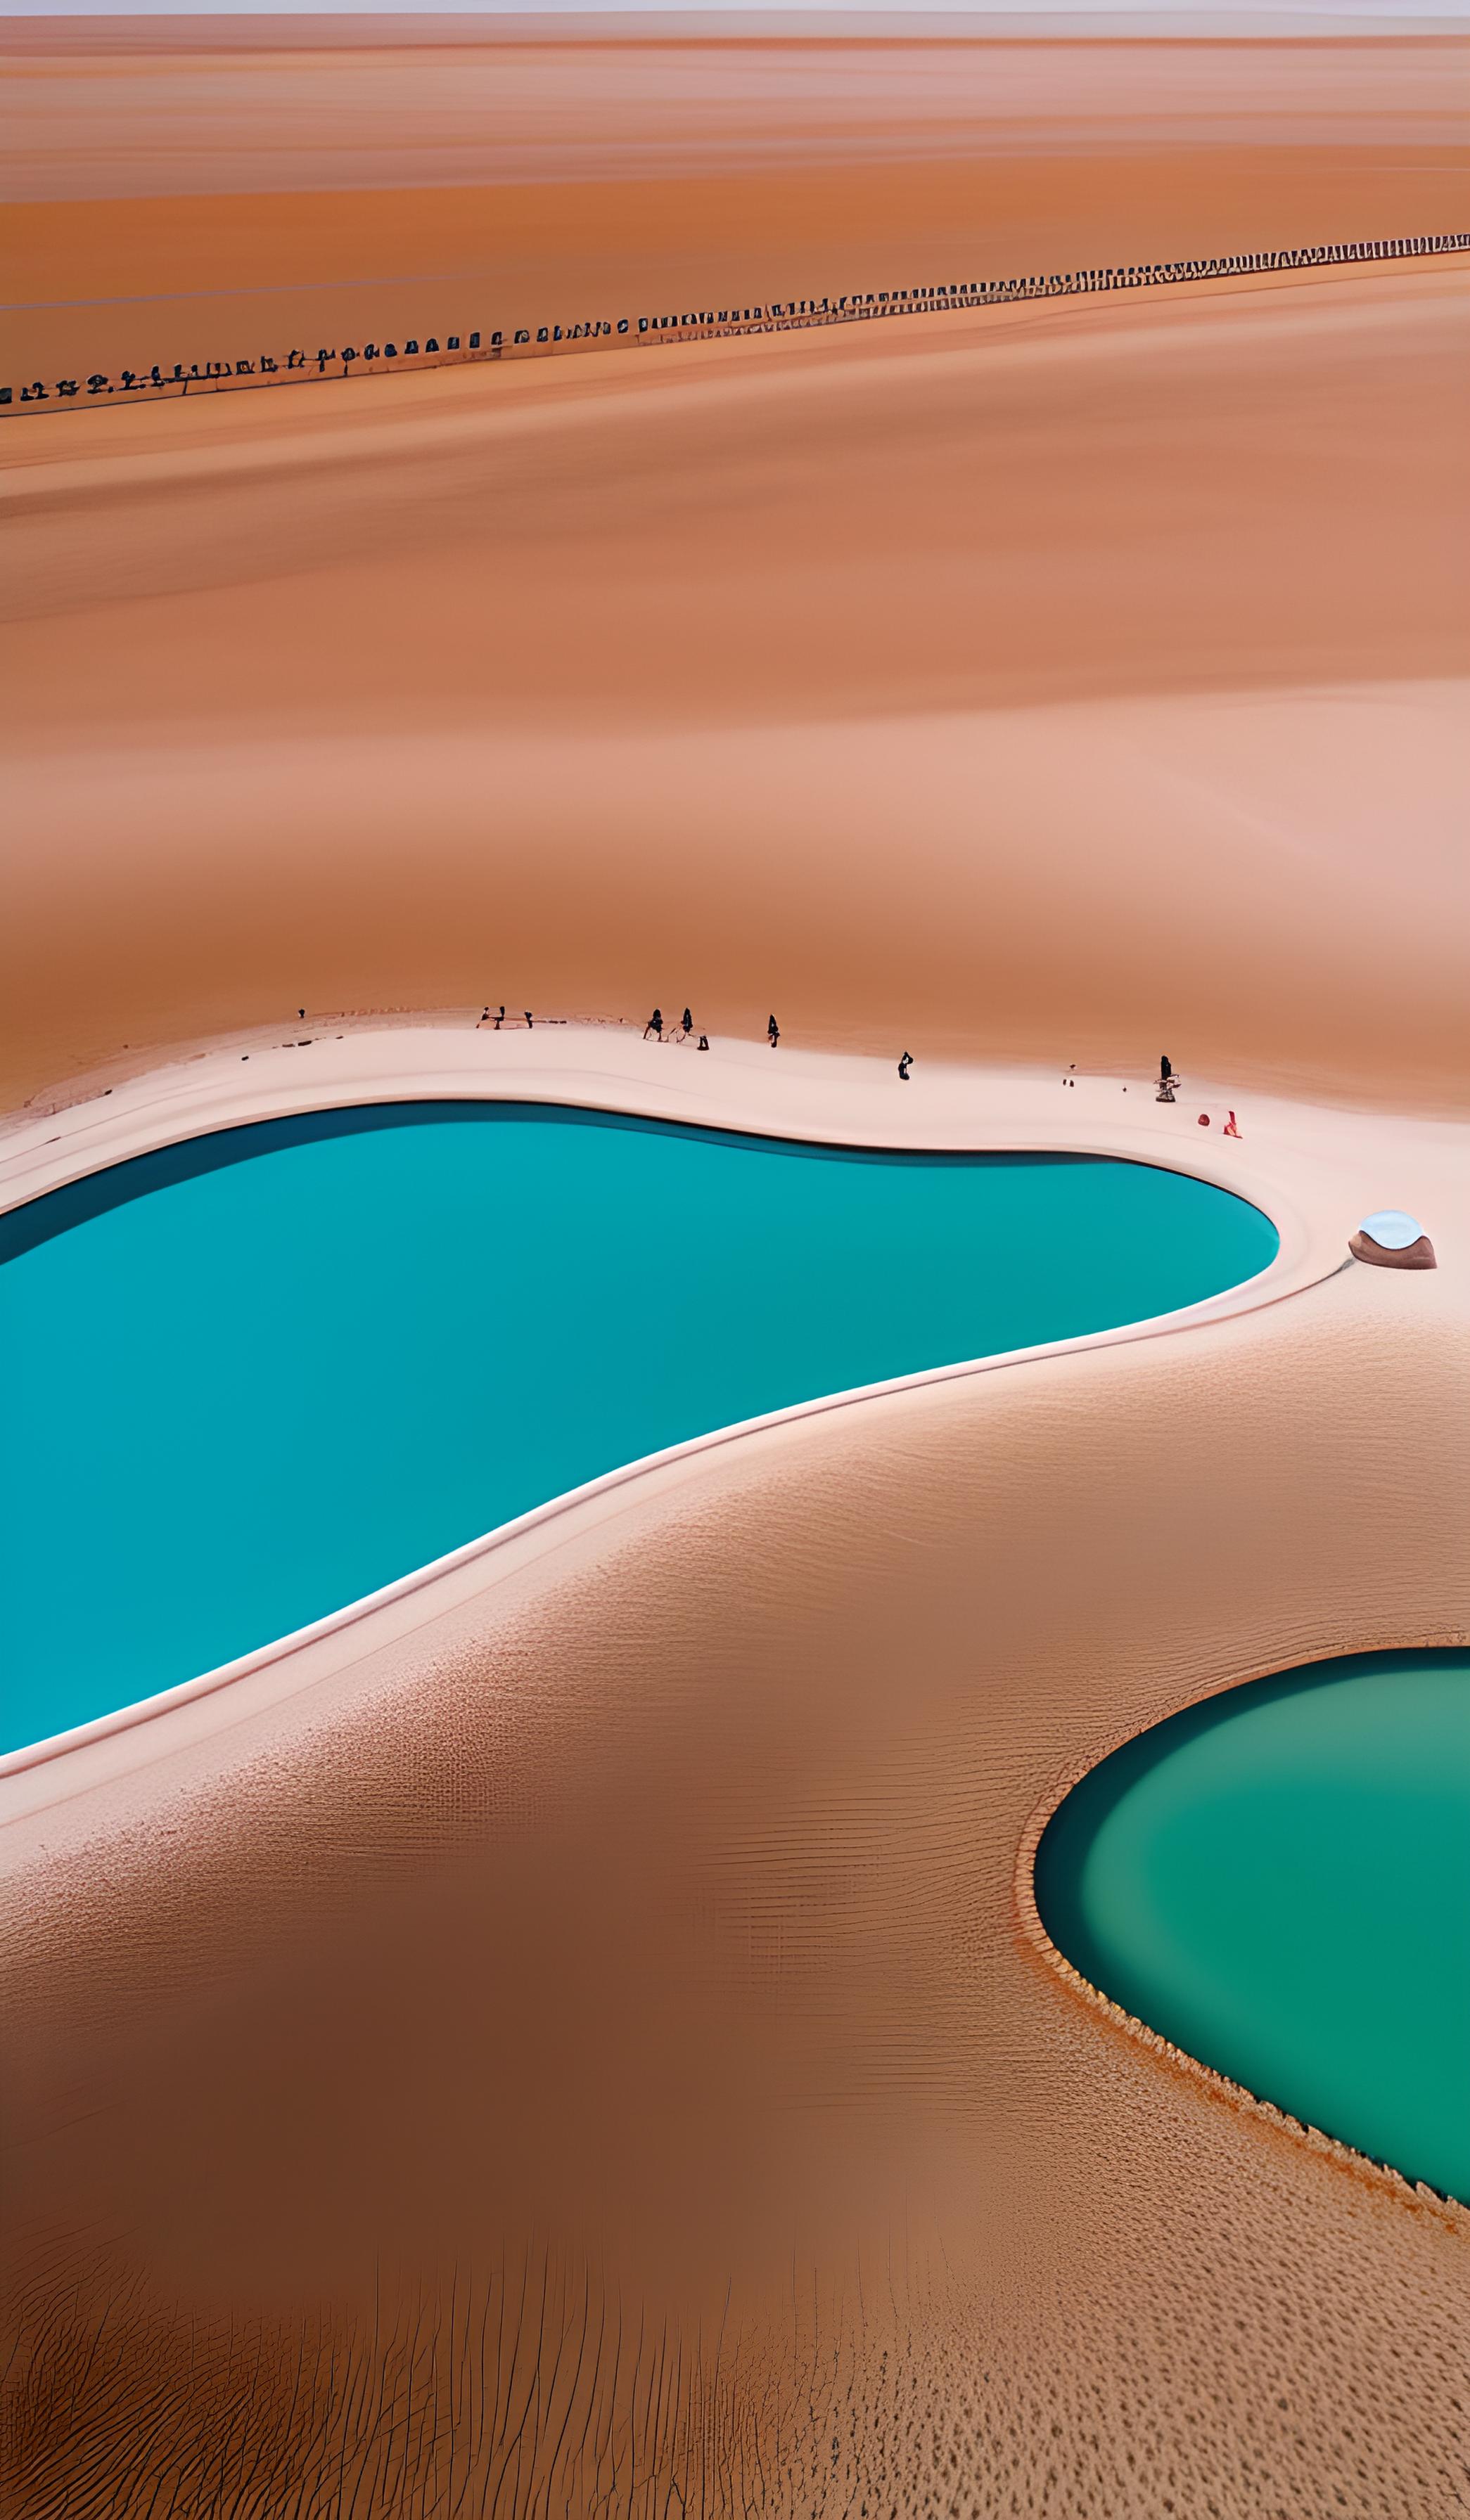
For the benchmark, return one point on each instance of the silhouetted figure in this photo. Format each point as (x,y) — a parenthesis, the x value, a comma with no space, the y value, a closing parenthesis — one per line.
(772,1030)
(904,1064)
(1165,1067)
(688,1020)
(704,1041)
(527,1018)
(500,1020)
(655,1024)
(301,1014)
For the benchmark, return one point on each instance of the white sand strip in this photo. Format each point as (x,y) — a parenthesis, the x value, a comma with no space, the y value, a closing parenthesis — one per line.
(1312,1172)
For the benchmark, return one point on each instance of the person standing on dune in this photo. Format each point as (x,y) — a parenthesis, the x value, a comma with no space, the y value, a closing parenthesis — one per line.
(904,1064)
(655,1024)
(773,1030)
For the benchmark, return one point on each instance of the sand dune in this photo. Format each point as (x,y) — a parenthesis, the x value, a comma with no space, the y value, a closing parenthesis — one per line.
(579,2051)
(570,2041)
(752,668)
(173,201)
(776,669)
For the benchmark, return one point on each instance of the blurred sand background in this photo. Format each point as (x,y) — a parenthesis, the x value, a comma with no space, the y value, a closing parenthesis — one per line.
(580,2055)
(1057,682)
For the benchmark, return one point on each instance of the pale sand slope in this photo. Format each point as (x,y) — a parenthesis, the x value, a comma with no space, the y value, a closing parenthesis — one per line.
(1067,684)
(571,2048)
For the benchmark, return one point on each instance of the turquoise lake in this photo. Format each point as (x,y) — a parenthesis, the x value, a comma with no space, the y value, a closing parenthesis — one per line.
(1279,1881)
(253,1378)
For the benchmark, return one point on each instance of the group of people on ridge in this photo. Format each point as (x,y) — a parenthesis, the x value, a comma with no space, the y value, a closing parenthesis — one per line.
(685,1026)
(680,1031)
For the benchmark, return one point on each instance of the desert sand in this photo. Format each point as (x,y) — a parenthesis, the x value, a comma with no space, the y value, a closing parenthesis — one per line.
(1053,684)
(979,678)
(571,2037)
(571,2040)
(196,189)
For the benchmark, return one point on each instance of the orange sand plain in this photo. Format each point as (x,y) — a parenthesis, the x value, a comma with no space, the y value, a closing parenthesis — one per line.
(179,191)
(583,2055)
(1058,684)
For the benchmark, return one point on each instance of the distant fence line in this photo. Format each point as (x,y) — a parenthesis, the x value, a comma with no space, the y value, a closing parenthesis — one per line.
(377,358)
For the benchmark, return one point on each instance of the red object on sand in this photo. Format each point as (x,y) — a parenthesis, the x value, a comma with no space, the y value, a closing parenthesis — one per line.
(1204,1119)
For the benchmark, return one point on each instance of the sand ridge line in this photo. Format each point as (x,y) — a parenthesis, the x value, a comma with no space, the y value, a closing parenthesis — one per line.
(296,366)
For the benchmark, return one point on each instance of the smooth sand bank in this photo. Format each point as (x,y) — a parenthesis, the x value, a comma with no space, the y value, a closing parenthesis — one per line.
(1069,684)
(582,2042)
(252,1078)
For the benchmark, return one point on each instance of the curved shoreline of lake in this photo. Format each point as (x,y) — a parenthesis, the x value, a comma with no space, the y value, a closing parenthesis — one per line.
(1277,1881)
(270,1371)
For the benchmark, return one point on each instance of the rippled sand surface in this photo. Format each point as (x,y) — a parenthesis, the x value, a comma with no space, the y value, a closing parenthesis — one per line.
(585,2055)
(588,2050)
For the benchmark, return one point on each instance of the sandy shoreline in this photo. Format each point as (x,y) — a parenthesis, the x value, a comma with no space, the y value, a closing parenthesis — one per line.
(760,1840)
(814,1099)
(569,2037)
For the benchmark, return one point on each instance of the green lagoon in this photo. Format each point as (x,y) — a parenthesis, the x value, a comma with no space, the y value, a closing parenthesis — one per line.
(1278,1881)
(253,1378)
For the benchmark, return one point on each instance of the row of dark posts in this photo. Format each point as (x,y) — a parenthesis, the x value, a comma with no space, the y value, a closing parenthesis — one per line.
(216,375)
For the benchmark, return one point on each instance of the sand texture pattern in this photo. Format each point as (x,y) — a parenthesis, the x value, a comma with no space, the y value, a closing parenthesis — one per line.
(582,2052)
(680,694)
(571,2043)
(597,2063)
(976,682)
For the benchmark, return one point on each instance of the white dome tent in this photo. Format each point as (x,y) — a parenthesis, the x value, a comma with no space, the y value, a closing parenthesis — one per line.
(1391,1238)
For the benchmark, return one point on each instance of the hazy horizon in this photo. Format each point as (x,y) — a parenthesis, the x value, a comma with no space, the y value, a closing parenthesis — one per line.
(1217,20)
